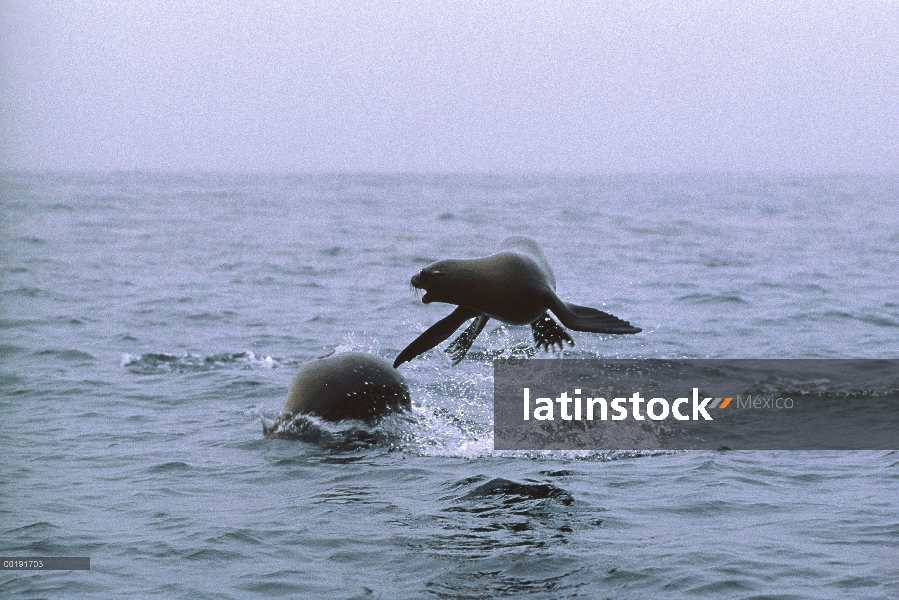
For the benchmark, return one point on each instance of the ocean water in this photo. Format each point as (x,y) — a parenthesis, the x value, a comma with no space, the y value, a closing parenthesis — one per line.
(150,324)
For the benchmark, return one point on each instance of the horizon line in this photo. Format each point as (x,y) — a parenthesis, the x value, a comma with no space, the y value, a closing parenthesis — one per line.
(4,170)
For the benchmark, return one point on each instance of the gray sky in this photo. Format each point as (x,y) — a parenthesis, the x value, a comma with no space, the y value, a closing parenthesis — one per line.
(449,87)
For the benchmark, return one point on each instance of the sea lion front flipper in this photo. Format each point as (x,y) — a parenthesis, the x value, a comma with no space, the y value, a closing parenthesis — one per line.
(584,318)
(435,334)
(460,346)
(548,334)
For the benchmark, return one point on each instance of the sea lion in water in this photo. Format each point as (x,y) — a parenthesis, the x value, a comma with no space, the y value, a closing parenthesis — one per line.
(515,285)
(353,385)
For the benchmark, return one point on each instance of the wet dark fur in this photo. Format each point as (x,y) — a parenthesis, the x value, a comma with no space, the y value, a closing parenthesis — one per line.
(515,285)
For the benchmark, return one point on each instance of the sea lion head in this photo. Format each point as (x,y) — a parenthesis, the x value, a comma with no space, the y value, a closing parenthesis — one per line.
(439,281)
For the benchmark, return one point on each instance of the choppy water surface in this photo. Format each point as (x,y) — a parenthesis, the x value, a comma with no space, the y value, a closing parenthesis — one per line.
(150,323)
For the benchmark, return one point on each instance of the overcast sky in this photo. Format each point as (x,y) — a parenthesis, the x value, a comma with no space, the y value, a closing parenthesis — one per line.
(450,87)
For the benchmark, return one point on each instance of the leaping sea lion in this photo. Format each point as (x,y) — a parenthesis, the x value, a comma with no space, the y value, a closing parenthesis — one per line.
(516,286)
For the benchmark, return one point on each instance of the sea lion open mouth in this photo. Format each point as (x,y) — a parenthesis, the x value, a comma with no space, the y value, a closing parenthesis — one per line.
(419,290)
(418,287)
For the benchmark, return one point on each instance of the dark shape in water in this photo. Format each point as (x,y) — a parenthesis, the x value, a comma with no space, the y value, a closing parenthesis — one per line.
(353,385)
(515,285)
(513,492)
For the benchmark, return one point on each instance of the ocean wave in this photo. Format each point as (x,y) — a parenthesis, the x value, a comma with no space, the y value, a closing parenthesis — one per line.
(161,362)
(711,299)
(68,355)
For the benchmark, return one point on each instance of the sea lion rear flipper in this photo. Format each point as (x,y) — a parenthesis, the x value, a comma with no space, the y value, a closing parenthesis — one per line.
(584,318)
(548,334)
(435,334)
(460,346)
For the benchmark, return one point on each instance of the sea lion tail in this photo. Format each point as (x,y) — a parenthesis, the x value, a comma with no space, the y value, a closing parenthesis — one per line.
(584,318)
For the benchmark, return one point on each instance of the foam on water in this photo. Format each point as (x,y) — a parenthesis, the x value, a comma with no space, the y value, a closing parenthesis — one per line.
(161,362)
